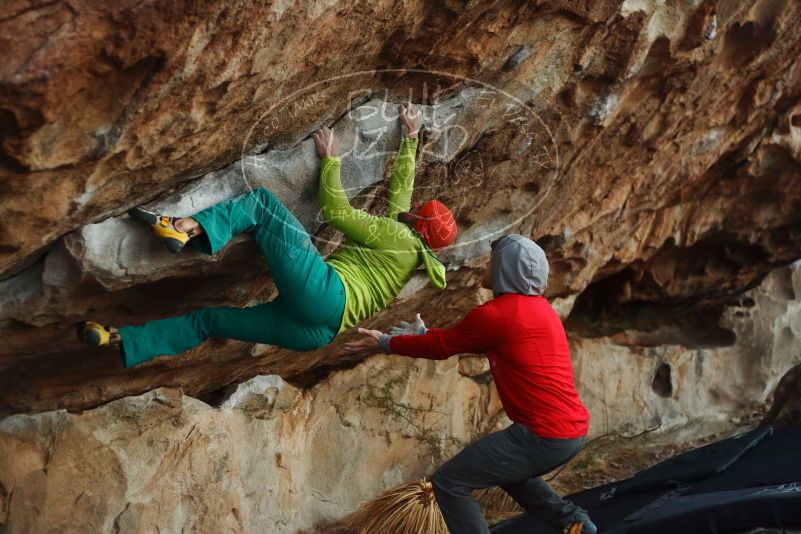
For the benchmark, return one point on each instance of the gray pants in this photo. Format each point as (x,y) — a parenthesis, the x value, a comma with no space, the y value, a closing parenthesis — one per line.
(513,459)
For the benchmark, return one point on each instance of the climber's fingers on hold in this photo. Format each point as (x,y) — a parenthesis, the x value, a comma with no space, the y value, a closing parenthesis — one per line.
(410,117)
(325,142)
(322,133)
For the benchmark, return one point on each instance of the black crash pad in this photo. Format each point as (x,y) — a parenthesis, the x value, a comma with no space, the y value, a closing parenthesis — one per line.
(752,480)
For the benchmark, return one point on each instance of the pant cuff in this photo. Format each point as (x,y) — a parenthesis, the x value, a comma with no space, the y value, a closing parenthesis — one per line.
(128,350)
(206,243)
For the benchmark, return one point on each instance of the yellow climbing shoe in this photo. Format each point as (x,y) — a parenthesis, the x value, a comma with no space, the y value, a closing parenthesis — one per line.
(93,334)
(164,227)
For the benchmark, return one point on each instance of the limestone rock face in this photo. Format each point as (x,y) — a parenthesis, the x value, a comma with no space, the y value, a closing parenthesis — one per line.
(268,458)
(653,149)
(106,105)
(265,456)
(635,388)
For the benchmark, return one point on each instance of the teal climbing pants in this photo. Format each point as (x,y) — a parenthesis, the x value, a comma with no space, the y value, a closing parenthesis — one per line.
(311,297)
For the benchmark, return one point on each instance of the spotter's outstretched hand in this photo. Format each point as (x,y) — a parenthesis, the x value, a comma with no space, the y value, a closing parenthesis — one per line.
(417,328)
(367,344)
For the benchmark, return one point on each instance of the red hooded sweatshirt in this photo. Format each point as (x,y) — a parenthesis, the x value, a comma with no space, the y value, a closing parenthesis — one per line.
(529,358)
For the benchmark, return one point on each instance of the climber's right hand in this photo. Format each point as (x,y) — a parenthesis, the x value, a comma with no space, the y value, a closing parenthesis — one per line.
(326,143)
(411,118)
(417,328)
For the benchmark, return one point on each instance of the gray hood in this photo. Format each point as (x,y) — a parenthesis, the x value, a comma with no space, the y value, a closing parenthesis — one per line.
(519,266)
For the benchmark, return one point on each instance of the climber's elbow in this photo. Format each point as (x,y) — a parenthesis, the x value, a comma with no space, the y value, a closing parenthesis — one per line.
(328,214)
(337,216)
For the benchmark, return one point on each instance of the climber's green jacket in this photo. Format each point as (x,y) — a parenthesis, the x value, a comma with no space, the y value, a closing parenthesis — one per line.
(380,253)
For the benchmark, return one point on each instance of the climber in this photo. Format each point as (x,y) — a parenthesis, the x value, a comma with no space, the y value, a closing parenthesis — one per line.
(530,363)
(317,298)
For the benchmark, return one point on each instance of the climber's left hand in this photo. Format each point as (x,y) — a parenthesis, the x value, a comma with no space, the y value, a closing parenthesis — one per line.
(326,143)
(368,344)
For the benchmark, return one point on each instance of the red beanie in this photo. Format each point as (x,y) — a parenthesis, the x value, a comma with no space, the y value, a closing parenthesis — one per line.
(436,224)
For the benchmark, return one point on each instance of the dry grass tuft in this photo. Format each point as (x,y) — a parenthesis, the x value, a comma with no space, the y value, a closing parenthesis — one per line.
(406,509)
